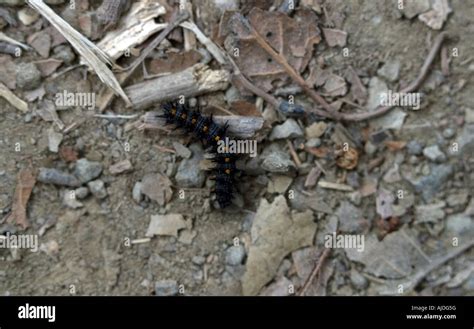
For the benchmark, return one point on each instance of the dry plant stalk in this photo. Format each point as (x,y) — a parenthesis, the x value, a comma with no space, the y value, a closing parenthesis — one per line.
(136,27)
(13,99)
(93,55)
(196,80)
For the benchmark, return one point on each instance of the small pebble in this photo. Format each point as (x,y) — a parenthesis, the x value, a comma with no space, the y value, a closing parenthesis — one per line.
(97,188)
(235,255)
(166,288)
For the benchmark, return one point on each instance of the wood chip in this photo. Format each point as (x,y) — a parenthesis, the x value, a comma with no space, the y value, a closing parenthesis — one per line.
(25,182)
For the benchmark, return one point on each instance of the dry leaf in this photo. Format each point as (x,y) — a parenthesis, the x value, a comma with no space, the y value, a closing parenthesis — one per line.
(174,62)
(395,145)
(335,37)
(347,158)
(25,182)
(292,38)
(245,108)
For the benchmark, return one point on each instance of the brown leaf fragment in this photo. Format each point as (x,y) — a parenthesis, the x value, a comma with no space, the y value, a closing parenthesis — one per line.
(68,153)
(395,145)
(48,66)
(335,37)
(245,108)
(174,62)
(25,182)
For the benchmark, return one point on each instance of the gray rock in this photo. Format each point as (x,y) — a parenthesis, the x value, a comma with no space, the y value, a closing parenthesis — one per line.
(232,94)
(64,53)
(189,173)
(87,170)
(465,141)
(289,129)
(166,288)
(469,115)
(235,255)
(449,133)
(137,194)
(461,224)
(350,218)
(57,177)
(429,185)
(198,260)
(434,153)
(358,281)
(414,8)
(390,70)
(414,147)
(434,80)
(81,192)
(278,162)
(377,88)
(97,188)
(313,142)
(27,76)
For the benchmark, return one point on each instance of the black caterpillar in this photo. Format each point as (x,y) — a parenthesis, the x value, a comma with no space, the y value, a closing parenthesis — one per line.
(210,134)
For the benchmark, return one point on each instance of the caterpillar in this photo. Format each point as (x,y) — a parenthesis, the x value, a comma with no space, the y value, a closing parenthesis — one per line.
(210,133)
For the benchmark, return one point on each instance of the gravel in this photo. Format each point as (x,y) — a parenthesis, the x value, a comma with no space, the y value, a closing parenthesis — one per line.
(166,288)
(27,76)
(235,255)
(434,153)
(87,170)
(97,188)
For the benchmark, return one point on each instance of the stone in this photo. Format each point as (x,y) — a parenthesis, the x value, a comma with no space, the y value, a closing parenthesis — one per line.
(469,115)
(97,188)
(165,225)
(316,129)
(28,76)
(64,53)
(182,150)
(392,120)
(390,70)
(81,192)
(121,167)
(313,142)
(235,255)
(137,192)
(434,153)
(377,87)
(54,140)
(350,218)
(414,8)
(166,288)
(157,187)
(189,173)
(414,147)
(57,177)
(460,224)
(87,170)
(430,213)
(429,185)
(289,129)
(279,288)
(278,162)
(279,184)
(358,281)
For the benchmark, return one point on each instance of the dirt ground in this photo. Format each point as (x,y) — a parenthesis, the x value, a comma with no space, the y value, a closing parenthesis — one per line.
(93,257)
